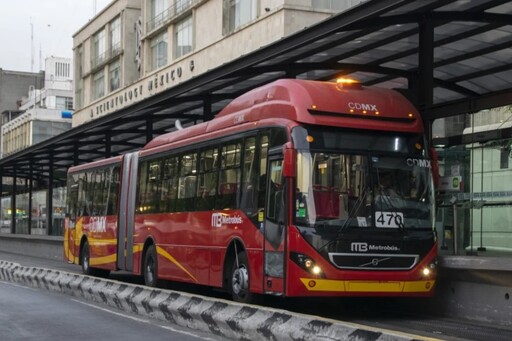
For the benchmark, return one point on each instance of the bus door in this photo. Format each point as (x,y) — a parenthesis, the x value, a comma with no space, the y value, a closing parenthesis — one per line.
(275,228)
(127,212)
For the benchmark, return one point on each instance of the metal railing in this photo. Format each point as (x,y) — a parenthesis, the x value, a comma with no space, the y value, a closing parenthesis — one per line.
(106,56)
(170,14)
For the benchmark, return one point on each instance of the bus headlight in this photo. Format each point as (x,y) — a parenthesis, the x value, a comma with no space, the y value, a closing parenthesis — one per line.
(307,263)
(430,269)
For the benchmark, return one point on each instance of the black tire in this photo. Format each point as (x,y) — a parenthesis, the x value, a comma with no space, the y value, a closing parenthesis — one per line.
(85,259)
(239,280)
(150,269)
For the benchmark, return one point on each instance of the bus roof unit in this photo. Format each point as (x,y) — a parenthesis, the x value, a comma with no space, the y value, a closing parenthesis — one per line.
(347,105)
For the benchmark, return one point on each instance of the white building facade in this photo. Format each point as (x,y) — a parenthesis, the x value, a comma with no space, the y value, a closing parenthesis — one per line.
(135,49)
(47,111)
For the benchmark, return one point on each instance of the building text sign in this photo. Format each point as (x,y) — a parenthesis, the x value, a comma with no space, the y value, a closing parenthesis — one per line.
(145,88)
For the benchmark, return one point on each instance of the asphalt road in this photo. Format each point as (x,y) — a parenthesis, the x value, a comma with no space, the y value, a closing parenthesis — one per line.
(35,314)
(392,314)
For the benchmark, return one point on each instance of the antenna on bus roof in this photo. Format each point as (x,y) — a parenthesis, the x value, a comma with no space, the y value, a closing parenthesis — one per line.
(178,125)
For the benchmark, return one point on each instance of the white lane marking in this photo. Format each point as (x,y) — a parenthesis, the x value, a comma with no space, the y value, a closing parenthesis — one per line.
(144,321)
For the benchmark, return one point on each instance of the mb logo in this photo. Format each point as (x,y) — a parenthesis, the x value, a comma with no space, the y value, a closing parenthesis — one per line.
(217,220)
(359,247)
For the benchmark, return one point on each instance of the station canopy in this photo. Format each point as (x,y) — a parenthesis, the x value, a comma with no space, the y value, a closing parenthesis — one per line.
(448,57)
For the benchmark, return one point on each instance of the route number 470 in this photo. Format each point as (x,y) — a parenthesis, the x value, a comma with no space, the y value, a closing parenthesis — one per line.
(389,219)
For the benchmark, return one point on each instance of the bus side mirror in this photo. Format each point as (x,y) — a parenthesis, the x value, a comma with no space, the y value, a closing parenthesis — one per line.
(290,161)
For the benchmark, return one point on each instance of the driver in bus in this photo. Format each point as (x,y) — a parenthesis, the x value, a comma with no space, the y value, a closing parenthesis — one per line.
(385,185)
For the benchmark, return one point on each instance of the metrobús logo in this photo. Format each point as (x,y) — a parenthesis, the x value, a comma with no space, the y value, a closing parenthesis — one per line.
(365,247)
(219,219)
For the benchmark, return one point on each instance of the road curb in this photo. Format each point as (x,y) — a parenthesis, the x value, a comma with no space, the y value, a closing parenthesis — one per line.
(220,317)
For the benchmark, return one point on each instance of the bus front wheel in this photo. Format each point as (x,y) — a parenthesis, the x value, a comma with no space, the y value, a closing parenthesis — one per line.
(239,279)
(151,267)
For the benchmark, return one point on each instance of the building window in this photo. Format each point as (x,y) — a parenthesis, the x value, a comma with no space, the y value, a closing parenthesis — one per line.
(64,103)
(115,36)
(62,69)
(115,75)
(159,51)
(158,14)
(60,103)
(78,76)
(239,13)
(78,93)
(99,52)
(505,156)
(69,103)
(184,36)
(98,85)
(182,5)
(157,7)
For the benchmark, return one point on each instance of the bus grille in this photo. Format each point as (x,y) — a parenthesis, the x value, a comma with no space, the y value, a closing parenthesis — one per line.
(374,261)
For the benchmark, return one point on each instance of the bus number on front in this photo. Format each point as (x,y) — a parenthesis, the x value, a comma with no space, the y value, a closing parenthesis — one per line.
(389,219)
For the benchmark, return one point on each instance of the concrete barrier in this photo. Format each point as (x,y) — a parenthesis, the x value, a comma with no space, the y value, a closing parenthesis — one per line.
(220,317)
(48,247)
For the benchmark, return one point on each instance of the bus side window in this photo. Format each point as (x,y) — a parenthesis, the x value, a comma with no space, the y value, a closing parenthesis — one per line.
(112,189)
(81,195)
(262,183)
(207,186)
(154,184)
(249,193)
(142,187)
(103,194)
(169,186)
(89,191)
(187,183)
(229,176)
(72,197)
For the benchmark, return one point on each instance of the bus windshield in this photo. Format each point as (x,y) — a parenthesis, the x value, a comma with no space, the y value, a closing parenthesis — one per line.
(339,190)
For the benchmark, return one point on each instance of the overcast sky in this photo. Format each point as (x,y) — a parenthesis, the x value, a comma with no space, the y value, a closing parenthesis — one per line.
(54,23)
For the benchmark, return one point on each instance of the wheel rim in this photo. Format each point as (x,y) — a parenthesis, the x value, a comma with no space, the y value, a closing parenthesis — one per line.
(85,260)
(240,281)
(150,271)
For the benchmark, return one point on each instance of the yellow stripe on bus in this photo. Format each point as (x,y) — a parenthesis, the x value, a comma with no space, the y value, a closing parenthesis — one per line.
(103,260)
(165,254)
(137,248)
(313,284)
(99,241)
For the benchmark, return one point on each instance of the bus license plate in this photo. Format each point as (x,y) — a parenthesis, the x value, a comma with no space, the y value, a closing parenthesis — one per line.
(389,219)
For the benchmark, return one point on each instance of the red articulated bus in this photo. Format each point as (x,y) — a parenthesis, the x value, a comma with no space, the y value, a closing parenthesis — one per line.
(296,188)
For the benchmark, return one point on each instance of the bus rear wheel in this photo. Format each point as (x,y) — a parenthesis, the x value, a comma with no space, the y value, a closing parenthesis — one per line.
(239,280)
(151,267)
(85,259)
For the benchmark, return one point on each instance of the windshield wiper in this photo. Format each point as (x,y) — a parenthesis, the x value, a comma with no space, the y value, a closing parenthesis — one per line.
(352,212)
